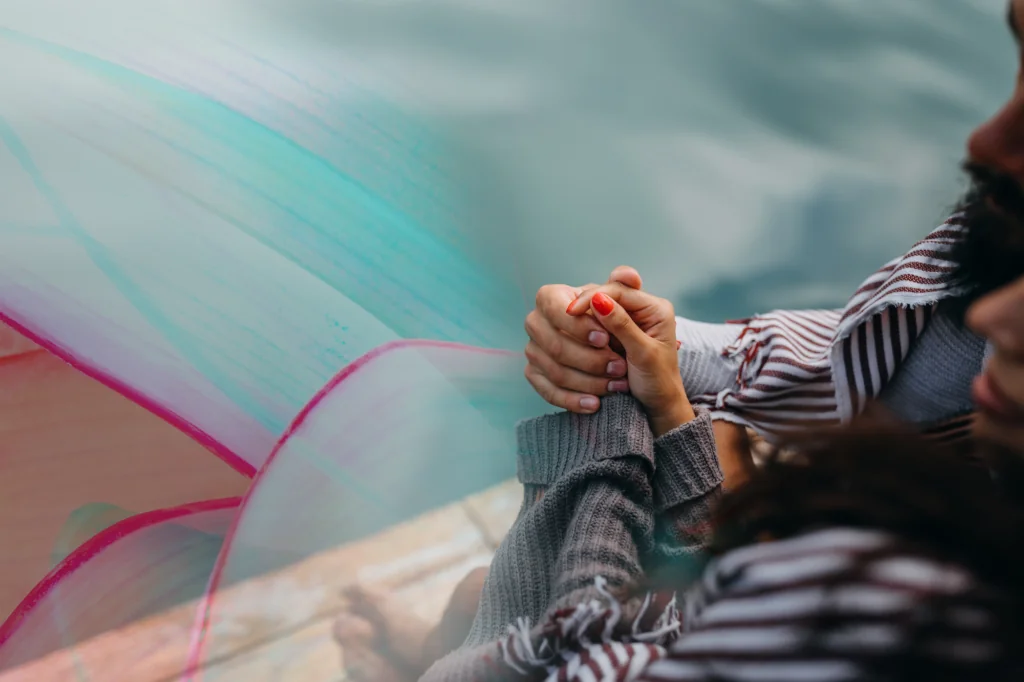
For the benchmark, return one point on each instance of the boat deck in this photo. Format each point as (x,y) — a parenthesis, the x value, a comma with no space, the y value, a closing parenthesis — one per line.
(280,624)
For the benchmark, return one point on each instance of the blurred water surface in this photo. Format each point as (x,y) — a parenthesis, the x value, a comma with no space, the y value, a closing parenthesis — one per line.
(744,154)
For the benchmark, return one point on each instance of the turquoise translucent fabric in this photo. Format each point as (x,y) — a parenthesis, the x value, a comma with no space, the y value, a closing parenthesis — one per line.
(215,234)
(247,245)
(410,427)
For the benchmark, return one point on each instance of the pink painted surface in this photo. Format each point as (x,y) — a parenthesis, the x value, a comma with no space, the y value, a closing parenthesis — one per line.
(25,340)
(68,441)
(13,344)
(133,569)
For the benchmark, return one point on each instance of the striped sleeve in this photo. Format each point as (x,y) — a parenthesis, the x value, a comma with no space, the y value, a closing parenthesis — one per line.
(811,608)
(815,606)
(817,368)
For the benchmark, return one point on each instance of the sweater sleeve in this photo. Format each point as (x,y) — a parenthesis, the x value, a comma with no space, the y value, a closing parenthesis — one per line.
(687,485)
(586,517)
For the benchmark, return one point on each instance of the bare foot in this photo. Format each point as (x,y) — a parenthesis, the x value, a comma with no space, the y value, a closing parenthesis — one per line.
(381,631)
(458,617)
(401,633)
(363,661)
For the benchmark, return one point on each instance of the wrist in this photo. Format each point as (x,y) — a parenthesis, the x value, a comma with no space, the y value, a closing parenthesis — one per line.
(671,417)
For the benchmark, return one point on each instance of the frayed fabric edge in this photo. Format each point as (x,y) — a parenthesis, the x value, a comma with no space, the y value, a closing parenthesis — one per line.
(569,635)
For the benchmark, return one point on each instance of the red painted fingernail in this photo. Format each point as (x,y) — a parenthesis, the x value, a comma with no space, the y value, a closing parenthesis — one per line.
(571,304)
(603,304)
(679,344)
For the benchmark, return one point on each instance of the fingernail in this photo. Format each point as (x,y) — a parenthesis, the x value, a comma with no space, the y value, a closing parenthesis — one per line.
(568,310)
(589,403)
(598,339)
(616,368)
(619,386)
(679,344)
(603,304)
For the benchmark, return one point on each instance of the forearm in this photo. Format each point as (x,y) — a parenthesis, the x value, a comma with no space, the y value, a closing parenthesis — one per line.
(687,485)
(596,522)
(609,529)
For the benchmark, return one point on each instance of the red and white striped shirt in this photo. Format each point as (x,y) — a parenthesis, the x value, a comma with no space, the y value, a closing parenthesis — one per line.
(816,368)
(760,613)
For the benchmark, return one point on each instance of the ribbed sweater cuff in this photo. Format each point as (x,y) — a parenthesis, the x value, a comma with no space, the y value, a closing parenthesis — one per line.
(688,465)
(552,446)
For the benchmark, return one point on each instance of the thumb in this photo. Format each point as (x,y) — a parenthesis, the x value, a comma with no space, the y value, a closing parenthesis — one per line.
(633,300)
(627,277)
(619,324)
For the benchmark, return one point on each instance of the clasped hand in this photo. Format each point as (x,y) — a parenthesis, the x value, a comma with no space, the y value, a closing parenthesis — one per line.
(591,341)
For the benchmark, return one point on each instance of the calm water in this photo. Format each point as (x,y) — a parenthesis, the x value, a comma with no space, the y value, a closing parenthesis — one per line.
(744,154)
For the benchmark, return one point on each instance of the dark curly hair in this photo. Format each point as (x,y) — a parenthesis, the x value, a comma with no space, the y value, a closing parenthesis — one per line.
(937,503)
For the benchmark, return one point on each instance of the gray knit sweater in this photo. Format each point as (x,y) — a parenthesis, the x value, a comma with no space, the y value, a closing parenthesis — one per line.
(602,496)
(934,383)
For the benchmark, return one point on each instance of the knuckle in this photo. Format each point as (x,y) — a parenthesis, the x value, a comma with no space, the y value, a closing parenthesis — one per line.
(546,296)
(534,375)
(542,295)
(530,324)
(531,354)
(666,308)
(542,388)
(618,322)
(547,392)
